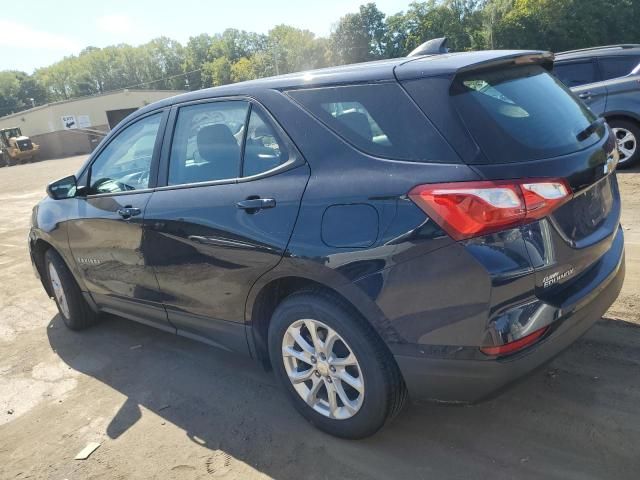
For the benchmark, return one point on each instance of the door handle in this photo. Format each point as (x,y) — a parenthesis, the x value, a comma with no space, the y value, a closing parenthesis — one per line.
(128,212)
(585,95)
(252,205)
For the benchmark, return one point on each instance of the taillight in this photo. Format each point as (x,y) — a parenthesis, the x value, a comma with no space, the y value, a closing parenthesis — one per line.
(469,209)
(516,345)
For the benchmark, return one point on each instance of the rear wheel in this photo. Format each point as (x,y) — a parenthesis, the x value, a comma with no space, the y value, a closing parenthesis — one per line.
(336,370)
(73,308)
(627,135)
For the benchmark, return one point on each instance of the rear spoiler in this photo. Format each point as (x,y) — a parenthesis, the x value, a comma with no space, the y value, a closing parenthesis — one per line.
(457,63)
(544,59)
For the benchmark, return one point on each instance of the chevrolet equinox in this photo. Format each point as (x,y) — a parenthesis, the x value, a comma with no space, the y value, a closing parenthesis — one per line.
(429,227)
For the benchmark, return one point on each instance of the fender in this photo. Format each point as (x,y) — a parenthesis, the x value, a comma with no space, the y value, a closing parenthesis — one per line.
(54,232)
(329,278)
(622,113)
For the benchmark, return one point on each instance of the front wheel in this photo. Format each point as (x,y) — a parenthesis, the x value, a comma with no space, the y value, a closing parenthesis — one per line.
(73,308)
(627,136)
(335,368)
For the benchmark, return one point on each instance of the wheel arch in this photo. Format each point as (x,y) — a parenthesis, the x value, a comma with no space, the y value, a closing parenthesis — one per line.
(264,299)
(39,248)
(622,115)
(40,242)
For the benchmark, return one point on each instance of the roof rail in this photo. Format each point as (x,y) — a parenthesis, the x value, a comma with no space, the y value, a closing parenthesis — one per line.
(434,46)
(621,46)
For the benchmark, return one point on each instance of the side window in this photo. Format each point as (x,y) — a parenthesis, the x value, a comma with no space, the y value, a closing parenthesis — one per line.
(125,163)
(575,73)
(265,149)
(378,119)
(207,142)
(614,67)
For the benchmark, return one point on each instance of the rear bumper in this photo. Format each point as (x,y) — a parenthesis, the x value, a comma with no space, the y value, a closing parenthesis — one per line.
(469,381)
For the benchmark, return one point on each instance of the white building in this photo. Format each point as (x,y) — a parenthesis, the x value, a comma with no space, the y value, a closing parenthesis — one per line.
(73,127)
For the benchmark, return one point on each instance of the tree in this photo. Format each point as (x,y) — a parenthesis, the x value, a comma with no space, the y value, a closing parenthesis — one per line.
(294,50)
(359,37)
(217,72)
(242,70)
(196,54)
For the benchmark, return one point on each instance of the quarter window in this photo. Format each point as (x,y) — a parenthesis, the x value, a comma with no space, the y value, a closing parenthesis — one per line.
(207,142)
(378,119)
(125,163)
(615,67)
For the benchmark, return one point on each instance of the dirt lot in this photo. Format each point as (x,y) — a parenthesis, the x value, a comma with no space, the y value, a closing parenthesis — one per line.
(166,407)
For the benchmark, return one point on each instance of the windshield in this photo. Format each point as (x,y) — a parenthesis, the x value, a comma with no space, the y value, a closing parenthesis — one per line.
(522,114)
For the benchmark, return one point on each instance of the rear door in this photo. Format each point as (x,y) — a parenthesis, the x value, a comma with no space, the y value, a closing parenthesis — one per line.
(582,77)
(233,185)
(526,124)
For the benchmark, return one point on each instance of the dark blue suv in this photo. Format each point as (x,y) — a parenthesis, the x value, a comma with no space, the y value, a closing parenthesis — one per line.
(432,227)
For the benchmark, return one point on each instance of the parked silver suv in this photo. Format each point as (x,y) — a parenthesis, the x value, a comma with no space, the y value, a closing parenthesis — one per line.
(607,79)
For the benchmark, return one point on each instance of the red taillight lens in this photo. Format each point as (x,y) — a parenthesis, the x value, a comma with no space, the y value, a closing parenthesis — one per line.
(516,345)
(469,209)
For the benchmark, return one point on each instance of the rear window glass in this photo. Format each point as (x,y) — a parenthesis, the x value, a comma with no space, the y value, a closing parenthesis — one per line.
(522,114)
(615,67)
(575,74)
(379,120)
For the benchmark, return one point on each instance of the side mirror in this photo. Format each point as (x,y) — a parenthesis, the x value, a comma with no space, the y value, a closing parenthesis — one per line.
(66,187)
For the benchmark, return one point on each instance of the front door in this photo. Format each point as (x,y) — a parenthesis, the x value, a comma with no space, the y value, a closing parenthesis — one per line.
(106,234)
(234,186)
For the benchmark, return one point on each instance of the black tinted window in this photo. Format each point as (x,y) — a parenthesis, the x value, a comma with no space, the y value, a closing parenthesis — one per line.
(125,163)
(207,142)
(575,73)
(377,119)
(521,114)
(614,67)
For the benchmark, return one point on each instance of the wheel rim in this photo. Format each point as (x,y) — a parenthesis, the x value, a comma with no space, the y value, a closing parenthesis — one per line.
(627,143)
(323,369)
(58,291)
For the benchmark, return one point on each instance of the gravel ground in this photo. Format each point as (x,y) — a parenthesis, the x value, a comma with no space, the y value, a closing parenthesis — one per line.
(165,407)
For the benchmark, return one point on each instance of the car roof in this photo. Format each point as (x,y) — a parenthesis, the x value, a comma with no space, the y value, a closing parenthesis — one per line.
(376,71)
(605,51)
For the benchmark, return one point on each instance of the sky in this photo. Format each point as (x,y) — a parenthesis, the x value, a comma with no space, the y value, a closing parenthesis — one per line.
(41,32)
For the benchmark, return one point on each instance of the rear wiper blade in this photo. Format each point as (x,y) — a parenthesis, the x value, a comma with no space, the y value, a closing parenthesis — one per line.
(586,133)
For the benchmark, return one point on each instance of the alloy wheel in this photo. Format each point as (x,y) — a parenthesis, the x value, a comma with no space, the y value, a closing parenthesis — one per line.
(627,143)
(323,369)
(58,291)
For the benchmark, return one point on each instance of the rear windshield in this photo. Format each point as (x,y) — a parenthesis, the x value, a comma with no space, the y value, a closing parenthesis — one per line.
(378,119)
(522,114)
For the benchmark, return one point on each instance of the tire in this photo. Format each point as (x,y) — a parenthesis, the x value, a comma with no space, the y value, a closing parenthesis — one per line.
(630,149)
(380,393)
(73,308)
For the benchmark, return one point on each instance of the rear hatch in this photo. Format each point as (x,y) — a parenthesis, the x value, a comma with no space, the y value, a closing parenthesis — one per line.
(509,118)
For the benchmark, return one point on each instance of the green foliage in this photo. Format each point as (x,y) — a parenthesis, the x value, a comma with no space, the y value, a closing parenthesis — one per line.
(368,34)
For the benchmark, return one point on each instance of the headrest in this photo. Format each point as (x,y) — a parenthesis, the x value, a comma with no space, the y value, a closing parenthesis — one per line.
(212,139)
(358,123)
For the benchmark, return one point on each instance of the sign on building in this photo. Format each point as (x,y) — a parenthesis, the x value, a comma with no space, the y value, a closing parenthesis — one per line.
(84,121)
(69,122)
